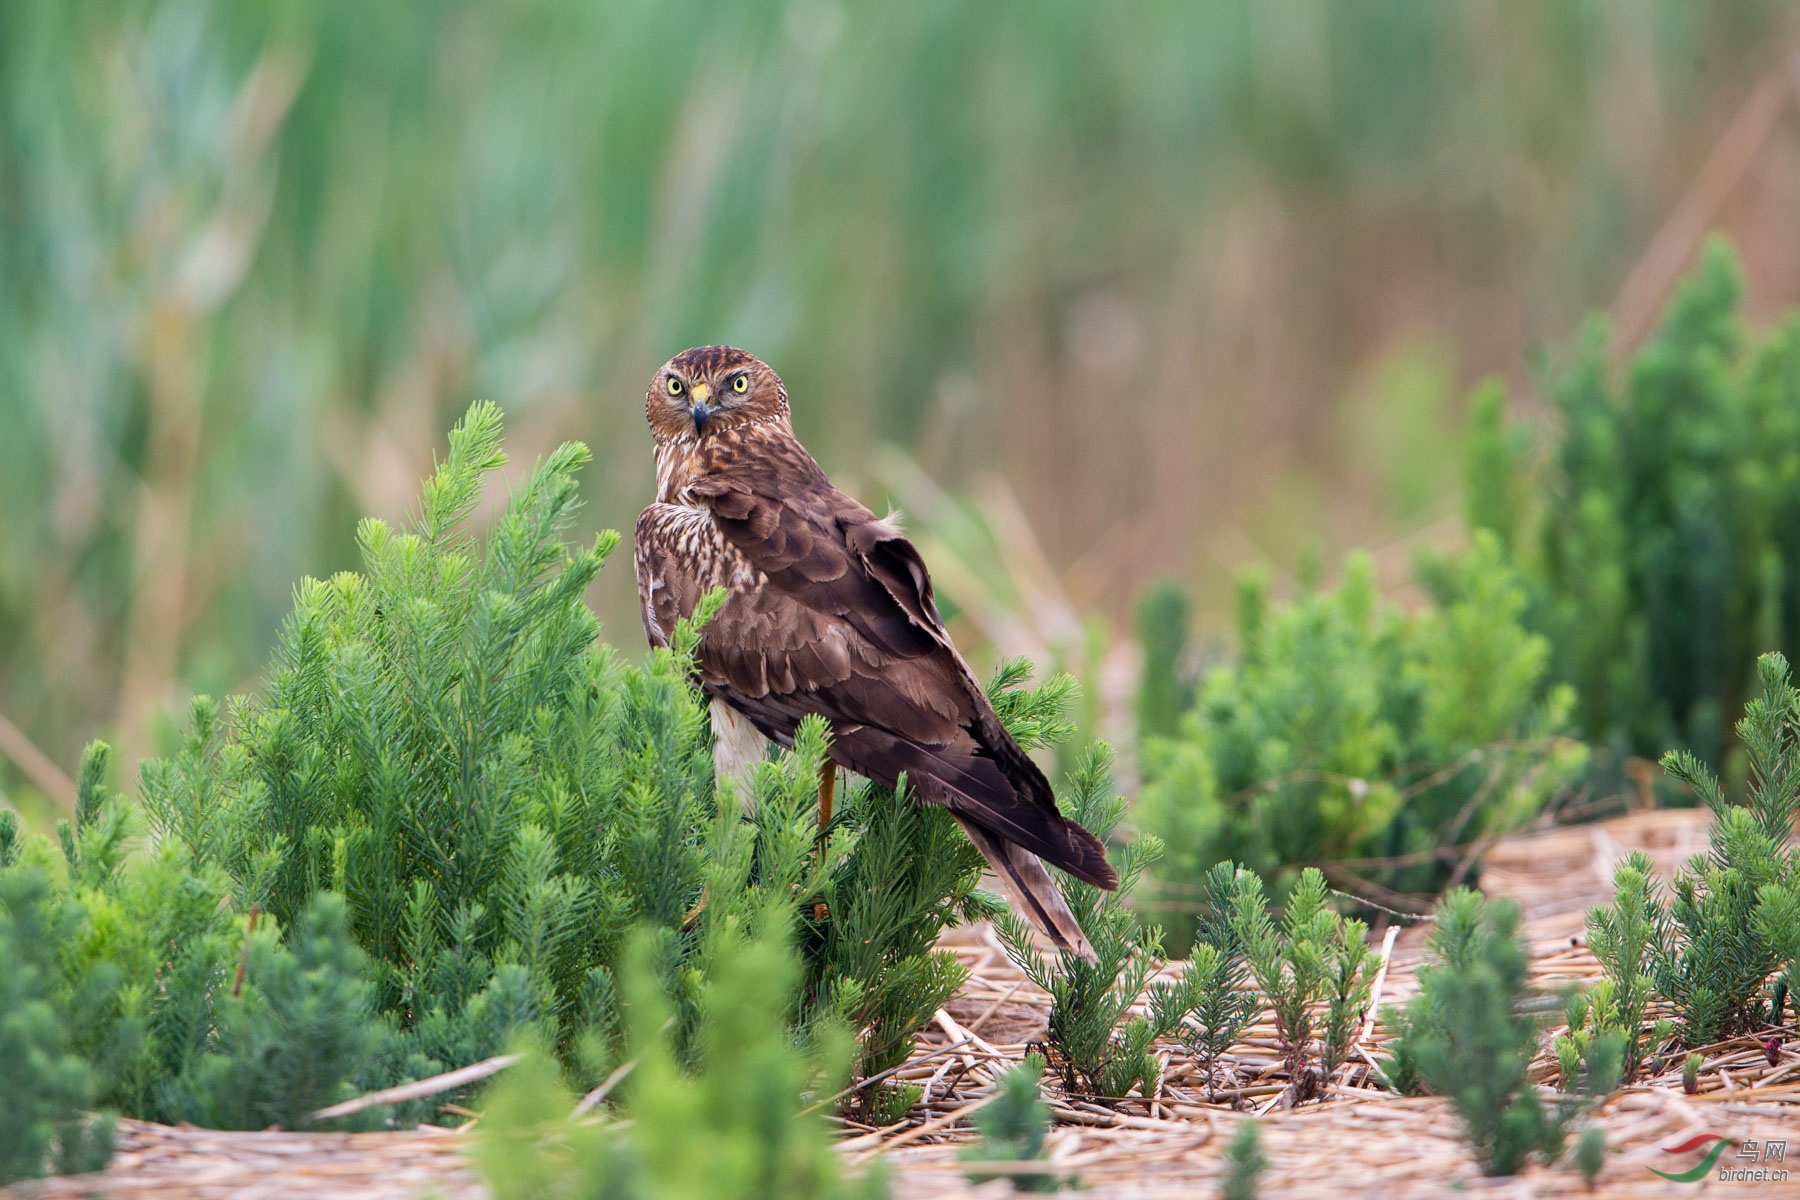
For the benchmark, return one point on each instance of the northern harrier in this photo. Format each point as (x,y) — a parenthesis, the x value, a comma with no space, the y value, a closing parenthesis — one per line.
(829,610)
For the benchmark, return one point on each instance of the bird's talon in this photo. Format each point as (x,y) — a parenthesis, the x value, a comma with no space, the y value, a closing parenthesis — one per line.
(693,914)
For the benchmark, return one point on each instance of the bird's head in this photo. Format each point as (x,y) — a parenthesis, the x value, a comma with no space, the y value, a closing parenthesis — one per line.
(708,389)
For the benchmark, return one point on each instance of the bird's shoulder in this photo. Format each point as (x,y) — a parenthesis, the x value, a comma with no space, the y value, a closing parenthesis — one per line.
(814,549)
(755,472)
(771,497)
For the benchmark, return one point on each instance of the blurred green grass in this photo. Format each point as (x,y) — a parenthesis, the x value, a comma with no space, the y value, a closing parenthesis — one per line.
(1125,261)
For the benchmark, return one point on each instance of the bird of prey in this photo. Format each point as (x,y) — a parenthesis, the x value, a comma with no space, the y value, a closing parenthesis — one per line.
(829,610)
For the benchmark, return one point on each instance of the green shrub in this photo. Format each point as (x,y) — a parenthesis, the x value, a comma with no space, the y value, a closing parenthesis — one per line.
(1665,554)
(426,838)
(132,987)
(1013,1125)
(443,742)
(1223,1005)
(440,739)
(1625,936)
(1593,1065)
(293,1035)
(721,1120)
(1312,970)
(1464,1035)
(47,1086)
(1590,1154)
(1165,689)
(1244,1164)
(1099,1048)
(1348,730)
(1719,945)
(177,1008)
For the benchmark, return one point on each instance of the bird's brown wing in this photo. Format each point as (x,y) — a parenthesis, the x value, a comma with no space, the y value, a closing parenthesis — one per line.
(842,622)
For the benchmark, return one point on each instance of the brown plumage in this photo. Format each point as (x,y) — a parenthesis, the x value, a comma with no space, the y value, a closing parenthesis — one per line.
(829,610)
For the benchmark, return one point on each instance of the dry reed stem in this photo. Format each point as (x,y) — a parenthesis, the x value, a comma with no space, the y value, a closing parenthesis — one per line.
(37,766)
(419,1089)
(1640,299)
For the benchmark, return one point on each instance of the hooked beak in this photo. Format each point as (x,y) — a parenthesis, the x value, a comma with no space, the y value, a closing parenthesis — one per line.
(700,412)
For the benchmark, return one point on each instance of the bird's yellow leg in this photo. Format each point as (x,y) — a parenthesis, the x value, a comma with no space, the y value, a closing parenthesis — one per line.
(693,914)
(827,791)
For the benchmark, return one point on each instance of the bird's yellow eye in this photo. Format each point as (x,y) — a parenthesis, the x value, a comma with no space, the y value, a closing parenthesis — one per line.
(674,386)
(741,384)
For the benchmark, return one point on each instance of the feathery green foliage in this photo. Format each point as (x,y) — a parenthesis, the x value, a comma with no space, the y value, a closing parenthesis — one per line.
(1223,1003)
(720,1121)
(1663,557)
(1244,1164)
(443,741)
(1349,729)
(1312,970)
(426,840)
(165,1003)
(1625,937)
(1099,1048)
(1464,1035)
(47,1085)
(1601,1073)
(1590,1154)
(1593,1059)
(1165,689)
(1718,945)
(187,1010)
(294,1035)
(1494,460)
(1013,1125)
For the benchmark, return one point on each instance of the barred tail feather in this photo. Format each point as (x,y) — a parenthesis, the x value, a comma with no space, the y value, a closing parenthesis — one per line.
(1030,890)
(1017,808)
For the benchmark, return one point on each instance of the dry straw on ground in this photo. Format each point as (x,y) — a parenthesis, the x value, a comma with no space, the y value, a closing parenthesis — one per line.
(1361,1140)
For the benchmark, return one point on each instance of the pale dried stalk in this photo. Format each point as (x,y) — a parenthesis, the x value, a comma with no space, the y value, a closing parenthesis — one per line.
(37,766)
(1641,298)
(418,1089)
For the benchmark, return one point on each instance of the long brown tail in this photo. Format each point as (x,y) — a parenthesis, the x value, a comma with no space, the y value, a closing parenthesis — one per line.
(1029,889)
(997,788)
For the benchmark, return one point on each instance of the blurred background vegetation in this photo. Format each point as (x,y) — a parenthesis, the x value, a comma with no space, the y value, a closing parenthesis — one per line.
(1097,294)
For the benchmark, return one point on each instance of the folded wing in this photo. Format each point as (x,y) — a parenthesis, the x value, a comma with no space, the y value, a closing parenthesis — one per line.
(838,618)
